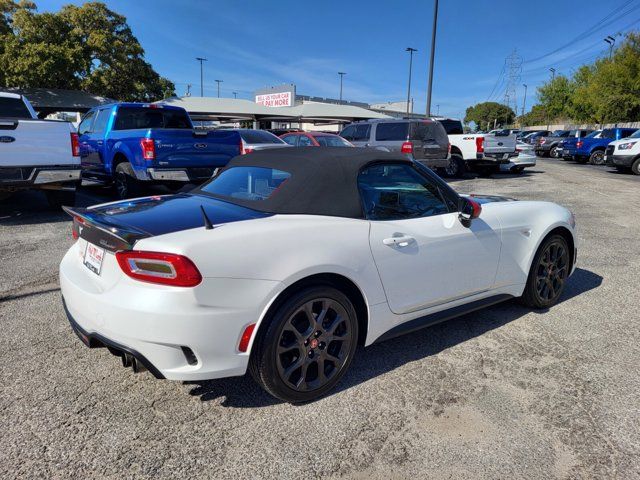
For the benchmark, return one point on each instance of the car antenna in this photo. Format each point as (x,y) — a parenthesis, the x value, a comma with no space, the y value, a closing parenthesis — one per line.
(207,223)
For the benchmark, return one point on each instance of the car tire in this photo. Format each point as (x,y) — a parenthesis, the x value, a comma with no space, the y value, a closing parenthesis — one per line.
(597,158)
(635,167)
(548,273)
(59,198)
(456,168)
(553,153)
(289,354)
(125,182)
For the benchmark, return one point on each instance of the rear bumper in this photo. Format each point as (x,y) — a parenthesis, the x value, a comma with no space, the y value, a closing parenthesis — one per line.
(491,158)
(39,176)
(187,174)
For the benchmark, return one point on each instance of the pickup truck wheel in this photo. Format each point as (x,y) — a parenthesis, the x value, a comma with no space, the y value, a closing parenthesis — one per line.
(553,153)
(127,186)
(456,167)
(635,167)
(597,158)
(58,198)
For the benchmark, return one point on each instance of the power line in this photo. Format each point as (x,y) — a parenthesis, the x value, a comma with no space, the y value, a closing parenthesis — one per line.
(500,77)
(616,13)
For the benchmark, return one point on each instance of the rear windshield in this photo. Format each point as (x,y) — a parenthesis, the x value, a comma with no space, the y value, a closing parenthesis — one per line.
(397,131)
(131,118)
(13,108)
(259,136)
(331,141)
(452,127)
(246,183)
(428,132)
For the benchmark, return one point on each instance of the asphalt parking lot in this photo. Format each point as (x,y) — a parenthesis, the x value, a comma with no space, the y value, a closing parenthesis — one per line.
(501,393)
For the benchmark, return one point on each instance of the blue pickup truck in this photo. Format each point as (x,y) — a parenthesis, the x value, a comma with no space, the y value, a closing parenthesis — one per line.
(591,148)
(133,144)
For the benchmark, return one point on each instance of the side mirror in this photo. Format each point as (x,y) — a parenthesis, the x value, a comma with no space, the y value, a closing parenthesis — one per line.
(468,209)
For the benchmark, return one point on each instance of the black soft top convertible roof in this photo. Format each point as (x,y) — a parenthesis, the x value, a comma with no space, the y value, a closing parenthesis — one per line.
(324,180)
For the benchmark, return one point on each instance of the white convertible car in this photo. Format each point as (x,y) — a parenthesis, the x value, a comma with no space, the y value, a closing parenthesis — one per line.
(288,259)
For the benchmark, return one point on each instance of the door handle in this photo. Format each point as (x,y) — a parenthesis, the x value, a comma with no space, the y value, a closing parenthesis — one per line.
(398,241)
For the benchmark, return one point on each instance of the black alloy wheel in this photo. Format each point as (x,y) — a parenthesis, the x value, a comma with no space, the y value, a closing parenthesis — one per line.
(308,345)
(597,158)
(548,274)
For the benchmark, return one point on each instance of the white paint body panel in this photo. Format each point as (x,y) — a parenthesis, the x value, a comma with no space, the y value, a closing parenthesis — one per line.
(247,264)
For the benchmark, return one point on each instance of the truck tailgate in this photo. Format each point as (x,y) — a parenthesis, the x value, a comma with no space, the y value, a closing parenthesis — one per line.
(499,144)
(25,143)
(186,148)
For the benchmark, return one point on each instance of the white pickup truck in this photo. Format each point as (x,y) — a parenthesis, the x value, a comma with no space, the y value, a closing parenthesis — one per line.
(36,154)
(482,153)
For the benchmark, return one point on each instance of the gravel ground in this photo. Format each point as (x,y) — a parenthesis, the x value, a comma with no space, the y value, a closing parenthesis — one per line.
(501,393)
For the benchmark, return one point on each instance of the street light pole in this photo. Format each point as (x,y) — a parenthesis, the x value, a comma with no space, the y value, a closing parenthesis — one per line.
(235,94)
(553,77)
(433,52)
(342,74)
(218,82)
(524,101)
(201,60)
(410,50)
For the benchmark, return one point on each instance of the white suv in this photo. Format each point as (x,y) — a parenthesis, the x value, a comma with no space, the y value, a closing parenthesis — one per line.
(624,154)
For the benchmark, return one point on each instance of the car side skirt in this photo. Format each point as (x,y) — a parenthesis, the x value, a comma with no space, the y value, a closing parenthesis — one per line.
(442,316)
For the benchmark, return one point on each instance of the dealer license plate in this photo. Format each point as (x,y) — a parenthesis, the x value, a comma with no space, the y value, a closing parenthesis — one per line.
(93,257)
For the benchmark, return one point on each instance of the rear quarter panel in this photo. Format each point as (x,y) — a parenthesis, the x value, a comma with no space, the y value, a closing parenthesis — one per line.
(524,226)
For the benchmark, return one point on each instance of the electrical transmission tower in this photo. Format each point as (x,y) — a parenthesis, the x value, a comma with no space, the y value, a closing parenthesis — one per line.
(513,69)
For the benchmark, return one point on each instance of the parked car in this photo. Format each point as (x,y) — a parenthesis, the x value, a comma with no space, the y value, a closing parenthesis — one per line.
(592,147)
(483,153)
(625,154)
(254,140)
(278,132)
(36,154)
(551,146)
(422,140)
(286,260)
(133,144)
(532,137)
(315,139)
(525,157)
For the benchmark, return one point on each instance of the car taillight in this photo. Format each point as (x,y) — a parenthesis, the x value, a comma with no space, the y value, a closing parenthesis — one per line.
(162,268)
(541,140)
(75,145)
(244,150)
(407,147)
(148,148)
(479,144)
(579,144)
(75,227)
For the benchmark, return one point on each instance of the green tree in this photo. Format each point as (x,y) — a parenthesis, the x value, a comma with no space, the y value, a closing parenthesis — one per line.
(555,96)
(536,116)
(86,47)
(486,113)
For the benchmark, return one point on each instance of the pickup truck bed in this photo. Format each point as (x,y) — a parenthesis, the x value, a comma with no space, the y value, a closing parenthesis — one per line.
(36,154)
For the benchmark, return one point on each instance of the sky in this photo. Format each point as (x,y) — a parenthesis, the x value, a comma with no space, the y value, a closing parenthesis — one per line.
(251,44)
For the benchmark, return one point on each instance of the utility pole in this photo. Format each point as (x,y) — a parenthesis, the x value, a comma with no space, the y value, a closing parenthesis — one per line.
(410,50)
(201,60)
(342,74)
(553,77)
(235,94)
(611,41)
(188,94)
(218,82)
(433,53)
(524,101)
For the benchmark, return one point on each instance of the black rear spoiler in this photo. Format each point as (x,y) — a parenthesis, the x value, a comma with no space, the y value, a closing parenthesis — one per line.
(95,228)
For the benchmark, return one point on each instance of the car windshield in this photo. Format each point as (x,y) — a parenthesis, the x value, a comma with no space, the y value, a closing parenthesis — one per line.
(12,107)
(246,183)
(259,136)
(635,134)
(331,141)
